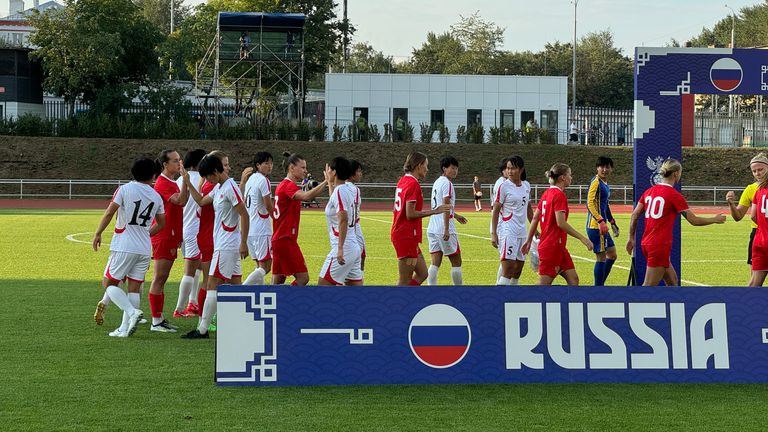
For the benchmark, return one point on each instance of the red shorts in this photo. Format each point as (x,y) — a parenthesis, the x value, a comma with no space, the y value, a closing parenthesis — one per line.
(406,247)
(206,252)
(554,261)
(165,248)
(657,255)
(759,258)
(287,258)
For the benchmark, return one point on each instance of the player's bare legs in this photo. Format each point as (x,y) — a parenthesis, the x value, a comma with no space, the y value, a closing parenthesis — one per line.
(670,277)
(156,295)
(654,275)
(571,278)
(758,278)
(412,271)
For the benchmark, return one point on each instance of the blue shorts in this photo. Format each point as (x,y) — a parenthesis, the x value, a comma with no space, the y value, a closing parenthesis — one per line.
(601,242)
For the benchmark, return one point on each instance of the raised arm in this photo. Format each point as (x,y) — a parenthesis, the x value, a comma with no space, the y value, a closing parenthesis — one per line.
(738,211)
(696,220)
(201,200)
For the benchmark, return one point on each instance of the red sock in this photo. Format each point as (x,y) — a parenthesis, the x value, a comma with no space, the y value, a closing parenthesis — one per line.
(414,282)
(156,305)
(201,301)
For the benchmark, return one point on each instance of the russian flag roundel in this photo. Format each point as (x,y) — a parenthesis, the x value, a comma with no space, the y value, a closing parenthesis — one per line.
(439,336)
(726,74)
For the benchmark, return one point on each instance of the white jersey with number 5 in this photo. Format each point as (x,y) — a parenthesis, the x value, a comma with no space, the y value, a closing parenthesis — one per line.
(226,228)
(343,198)
(514,202)
(139,203)
(256,189)
(443,188)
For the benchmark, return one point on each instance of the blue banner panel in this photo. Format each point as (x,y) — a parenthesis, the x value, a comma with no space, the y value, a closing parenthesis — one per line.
(283,335)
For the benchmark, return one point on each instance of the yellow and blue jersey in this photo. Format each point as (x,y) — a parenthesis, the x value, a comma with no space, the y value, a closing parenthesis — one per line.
(597,203)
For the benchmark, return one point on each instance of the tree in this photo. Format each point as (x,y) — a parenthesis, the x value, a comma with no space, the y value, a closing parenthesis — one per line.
(91,45)
(364,58)
(605,77)
(158,12)
(751,29)
(438,55)
(481,40)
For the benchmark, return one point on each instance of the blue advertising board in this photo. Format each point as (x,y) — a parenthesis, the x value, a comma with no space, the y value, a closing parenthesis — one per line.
(289,336)
(666,80)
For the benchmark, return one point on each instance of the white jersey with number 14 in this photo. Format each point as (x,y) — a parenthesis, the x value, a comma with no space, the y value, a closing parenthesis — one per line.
(139,203)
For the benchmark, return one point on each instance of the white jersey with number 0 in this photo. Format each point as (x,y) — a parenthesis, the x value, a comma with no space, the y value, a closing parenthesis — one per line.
(514,202)
(191,209)
(226,228)
(441,189)
(139,203)
(258,187)
(343,198)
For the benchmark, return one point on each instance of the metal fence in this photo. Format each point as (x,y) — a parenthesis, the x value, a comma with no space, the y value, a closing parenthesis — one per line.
(577,194)
(740,129)
(602,126)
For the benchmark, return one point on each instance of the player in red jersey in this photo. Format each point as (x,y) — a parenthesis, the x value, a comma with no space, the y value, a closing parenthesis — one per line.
(166,243)
(661,204)
(760,243)
(552,212)
(287,258)
(406,224)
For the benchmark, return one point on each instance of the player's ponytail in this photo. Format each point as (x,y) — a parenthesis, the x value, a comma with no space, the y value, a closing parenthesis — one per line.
(291,159)
(669,167)
(557,170)
(413,160)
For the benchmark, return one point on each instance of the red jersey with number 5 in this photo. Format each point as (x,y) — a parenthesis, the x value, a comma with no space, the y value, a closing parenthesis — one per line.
(760,201)
(662,204)
(552,201)
(408,189)
(287,213)
(174,214)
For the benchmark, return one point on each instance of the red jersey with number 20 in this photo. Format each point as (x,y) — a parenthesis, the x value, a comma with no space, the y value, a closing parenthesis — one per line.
(662,204)
(408,189)
(552,201)
(287,213)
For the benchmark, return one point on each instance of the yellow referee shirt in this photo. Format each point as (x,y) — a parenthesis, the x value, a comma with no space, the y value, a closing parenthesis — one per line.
(747,196)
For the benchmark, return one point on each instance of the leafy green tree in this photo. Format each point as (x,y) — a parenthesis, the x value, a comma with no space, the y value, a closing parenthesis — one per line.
(604,76)
(751,26)
(158,12)
(364,58)
(481,40)
(91,45)
(438,55)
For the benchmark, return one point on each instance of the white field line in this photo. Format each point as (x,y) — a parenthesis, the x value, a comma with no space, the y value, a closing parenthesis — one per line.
(572,255)
(72,238)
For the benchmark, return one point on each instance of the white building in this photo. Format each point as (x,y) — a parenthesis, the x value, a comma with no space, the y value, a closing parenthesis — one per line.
(14,28)
(452,100)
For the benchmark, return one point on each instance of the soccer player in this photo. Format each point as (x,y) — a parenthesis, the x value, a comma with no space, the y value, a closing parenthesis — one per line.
(502,178)
(406,225)
(342,265)
(759,252)
(258,201)
(441,231)
(287,258)
(598,217)
(511,209)
(759,167)
(136,204)
(189,247)
(357,176)
(552,212)
(166,242)
(230,235)
(661,204)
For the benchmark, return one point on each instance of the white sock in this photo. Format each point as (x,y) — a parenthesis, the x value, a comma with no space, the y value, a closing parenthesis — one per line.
(120,298)
(195,287)
(502,281)
(432,274)
(185,287)
(135,299)
(124,324)
(498,272)
(256,277)
(105,299)
(514,281)
(209,309)
(456,276)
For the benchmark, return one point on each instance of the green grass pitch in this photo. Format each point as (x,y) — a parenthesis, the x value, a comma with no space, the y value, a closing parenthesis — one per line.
(62,372)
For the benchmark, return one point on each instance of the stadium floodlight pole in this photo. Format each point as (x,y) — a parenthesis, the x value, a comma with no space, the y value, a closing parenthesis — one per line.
(345,43)
(170,63)
(573,79)
(733,45)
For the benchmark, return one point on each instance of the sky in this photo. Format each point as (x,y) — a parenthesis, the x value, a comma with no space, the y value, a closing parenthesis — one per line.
(396,27)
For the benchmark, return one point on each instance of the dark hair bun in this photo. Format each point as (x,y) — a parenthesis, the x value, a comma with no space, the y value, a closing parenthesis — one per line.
(286,154)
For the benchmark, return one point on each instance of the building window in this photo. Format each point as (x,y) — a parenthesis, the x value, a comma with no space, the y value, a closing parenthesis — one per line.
(525,116)
(549,120)
(474,117)
(507,118)
(361,124)
(437,118)
(399,123)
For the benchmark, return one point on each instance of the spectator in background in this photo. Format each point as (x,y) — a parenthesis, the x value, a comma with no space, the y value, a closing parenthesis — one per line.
(573,133)
(399,128)
(621,133)
(477,192)
(245,43)
(606,132)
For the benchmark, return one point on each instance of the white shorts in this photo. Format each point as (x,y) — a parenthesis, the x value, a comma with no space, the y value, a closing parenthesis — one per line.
(335,273)
(511,248)
(260,247)
(225,264)
(448,248)
(190,250)
(126,265)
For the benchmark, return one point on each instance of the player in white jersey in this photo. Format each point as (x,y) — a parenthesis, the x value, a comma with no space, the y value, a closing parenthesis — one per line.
(441,231)
(230,234)
(190,281)
(136,204)
(257,192)
(503,171)
(511,208)
(342,265)
(357,175)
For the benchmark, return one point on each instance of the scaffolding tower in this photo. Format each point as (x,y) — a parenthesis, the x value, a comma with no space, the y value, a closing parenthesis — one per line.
(254,68)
